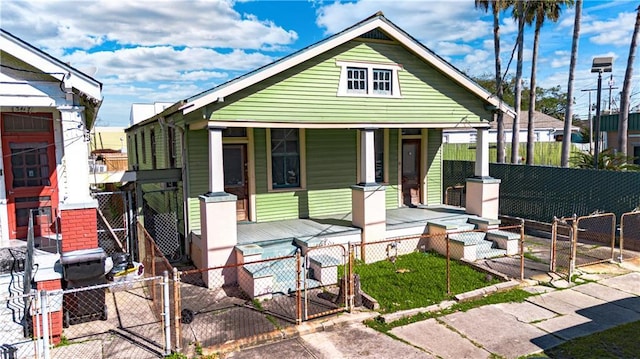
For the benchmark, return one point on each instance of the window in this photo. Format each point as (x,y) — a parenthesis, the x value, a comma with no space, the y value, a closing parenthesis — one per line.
(368,79)
(285,158)
(171,146)
(356,80)
(152,139)
(382,82)
(135,145)
(144,148)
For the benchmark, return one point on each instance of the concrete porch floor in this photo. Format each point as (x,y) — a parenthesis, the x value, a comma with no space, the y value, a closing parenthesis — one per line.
(407,220)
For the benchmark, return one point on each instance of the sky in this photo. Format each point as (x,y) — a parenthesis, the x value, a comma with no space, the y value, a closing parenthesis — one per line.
(165,51)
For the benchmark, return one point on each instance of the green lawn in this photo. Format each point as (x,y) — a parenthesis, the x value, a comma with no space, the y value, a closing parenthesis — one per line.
(417,280)
(620,342)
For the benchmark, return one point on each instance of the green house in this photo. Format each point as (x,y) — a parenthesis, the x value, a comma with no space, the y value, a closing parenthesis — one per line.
(328,139)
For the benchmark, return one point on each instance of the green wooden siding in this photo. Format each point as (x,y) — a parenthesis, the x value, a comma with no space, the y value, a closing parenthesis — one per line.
(197,173)
(331,170)
(307,93)
(434,166)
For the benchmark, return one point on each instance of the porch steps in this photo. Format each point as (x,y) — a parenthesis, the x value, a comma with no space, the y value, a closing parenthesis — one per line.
(483,248)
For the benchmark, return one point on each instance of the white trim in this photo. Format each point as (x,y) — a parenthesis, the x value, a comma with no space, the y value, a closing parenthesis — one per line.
(369,66)
(47,64)
(251,172)
(332,42)
(341,125)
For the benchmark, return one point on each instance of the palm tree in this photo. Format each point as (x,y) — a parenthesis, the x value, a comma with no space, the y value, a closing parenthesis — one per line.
(497,6)
(566,139)
(538,11)
(519,14)
(623,121)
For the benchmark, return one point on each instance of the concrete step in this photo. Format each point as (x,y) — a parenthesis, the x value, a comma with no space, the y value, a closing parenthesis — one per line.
(468,238)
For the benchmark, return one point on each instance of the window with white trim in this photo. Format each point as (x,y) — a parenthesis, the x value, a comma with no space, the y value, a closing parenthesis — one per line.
(285,158)
(363,79)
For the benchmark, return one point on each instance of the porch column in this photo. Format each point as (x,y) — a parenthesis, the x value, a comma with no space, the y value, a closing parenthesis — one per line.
(78,216)
(218,222)
(483,191)
(368,198)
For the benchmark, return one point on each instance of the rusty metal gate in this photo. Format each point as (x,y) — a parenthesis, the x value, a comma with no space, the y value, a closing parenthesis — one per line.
(562,248)
(630,235)
(595,239)
(116,221)
(325,288)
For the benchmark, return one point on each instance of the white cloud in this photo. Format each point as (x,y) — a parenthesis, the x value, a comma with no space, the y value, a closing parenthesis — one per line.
(429,21)
(611,32)
(215,24)
(445,48)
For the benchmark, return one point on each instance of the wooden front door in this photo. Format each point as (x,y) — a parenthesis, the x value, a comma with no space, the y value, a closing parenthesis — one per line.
(235,177)
(411,172)
(30,177)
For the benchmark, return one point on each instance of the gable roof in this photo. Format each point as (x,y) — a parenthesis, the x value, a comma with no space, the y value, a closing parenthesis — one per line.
(377,21)
(541,121)
(69,76)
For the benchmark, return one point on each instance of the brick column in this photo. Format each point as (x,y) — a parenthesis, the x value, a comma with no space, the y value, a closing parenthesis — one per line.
(79,228)
(55,308)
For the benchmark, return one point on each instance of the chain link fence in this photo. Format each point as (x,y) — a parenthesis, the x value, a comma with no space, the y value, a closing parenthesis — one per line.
(16,335)
(161,219)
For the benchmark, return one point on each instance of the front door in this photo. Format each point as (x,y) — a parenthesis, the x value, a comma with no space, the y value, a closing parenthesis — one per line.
(411,172)
(30,176)
(235,177)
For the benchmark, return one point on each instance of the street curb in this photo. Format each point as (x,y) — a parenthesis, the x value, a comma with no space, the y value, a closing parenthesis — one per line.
(309,327)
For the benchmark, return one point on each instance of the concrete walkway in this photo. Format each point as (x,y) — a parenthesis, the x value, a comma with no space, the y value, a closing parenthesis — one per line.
(509,330)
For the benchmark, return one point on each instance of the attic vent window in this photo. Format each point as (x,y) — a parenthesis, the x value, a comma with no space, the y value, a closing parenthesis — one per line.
(368,79)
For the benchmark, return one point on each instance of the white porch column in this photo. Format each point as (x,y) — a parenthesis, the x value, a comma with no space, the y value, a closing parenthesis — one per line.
(482,153)
(216,168)
(368,199)
(218,222)
(75,167)
(483,191)
(367,156)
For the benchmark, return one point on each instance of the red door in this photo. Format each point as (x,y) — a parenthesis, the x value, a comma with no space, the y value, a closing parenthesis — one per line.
(411,172)
(236,179)
(30,172)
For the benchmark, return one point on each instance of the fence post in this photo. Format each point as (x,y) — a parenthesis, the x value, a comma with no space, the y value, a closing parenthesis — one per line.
(298,291)
(620,258)
(554,234)
(521,249)
(446,237)
(350,285)
(166,314)
(45,323)
(574,246)
(613,238)
(176,308)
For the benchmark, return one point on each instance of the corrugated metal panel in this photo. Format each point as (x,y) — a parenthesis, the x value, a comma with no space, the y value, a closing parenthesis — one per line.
(391,193)
(307,93)
(609,123)
(434,166)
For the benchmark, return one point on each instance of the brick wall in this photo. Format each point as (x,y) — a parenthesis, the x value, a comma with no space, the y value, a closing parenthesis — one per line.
(55,319)
(79,229)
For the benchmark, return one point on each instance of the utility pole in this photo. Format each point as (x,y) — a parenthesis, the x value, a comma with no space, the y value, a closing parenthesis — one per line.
(611,83)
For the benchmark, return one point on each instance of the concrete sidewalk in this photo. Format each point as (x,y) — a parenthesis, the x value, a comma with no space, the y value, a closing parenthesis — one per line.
(508,330)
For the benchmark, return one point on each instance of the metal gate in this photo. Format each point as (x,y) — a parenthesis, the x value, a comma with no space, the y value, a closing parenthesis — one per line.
(595,239)
(116,221)
(325,288)
(562,254)
(161,220)
(630,235)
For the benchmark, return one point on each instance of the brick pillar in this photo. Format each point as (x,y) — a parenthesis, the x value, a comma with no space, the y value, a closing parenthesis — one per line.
(79,229)
(55,308)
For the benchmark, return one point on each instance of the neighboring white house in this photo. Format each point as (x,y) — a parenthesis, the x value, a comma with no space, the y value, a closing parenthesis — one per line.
(546,128)
(143,111)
